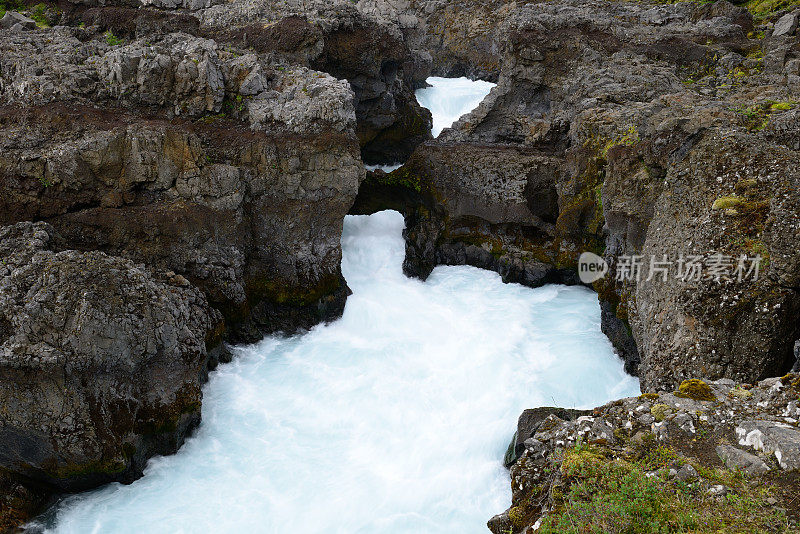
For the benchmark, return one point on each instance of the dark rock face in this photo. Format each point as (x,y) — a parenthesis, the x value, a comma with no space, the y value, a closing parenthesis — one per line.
(101,361)
(180,181)
(339,39)
(220,203)
(614,129)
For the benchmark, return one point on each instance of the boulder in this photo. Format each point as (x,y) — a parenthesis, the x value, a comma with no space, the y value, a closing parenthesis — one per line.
(12,19)
(737,458)
(786,25)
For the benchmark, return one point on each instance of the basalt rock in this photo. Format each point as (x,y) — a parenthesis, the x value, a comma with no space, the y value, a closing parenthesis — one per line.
(204,162)
(335,37)
(101,362)
(625,130)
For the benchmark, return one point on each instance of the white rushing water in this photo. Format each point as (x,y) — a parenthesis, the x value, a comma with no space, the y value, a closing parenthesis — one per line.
(393,419)
(384,168)
(450,98)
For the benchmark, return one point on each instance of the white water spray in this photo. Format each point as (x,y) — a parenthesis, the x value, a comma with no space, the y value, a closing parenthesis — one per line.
(393,419)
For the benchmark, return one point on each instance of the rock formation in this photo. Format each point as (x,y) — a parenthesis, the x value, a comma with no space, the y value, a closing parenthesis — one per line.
(703,441)
(190,161)
(101,361)
(626,130)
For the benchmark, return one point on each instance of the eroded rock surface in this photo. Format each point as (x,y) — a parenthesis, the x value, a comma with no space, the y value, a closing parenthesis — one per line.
(623,129)
(220,193)
(101,361)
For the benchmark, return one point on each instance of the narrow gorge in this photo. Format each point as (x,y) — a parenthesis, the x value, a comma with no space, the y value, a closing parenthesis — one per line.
(298,266)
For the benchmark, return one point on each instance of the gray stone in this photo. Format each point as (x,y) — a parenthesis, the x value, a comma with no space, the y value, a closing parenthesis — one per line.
(17,21)
(717,490)
(786,25)
(739,459)
(686,473)
(772,438)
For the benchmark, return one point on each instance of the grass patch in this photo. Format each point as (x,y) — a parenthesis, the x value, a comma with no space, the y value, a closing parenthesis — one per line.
(111,39)
(601,495)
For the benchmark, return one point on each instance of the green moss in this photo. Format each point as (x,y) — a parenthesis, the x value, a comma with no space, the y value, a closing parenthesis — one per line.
(401,177)
(627,138)
(782,106)
(103,467)
(660,411)
(723,203)
(281,293)
(695,389)
(648,396)
(764,9)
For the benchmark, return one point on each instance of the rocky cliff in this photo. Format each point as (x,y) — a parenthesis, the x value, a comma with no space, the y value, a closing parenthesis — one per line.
(189,162)
(101,362)
(661,132)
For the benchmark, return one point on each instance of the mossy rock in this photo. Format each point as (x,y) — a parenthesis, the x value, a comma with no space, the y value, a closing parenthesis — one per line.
(660,411)
(695,389)
(648,396)
(729,202)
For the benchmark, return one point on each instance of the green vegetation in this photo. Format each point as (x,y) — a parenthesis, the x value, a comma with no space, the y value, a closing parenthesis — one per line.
(782,106)
(112,39)
(599,493)
(37,13)
(695,389)
(764,9)
(660,411)
(729,202)
(401,177)
(10,5)
(628,138)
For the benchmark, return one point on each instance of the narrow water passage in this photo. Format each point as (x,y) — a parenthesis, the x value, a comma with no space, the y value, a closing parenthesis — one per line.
(393,419)
(450,98)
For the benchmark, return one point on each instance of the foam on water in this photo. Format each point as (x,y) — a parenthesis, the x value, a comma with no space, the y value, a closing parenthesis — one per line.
(384,168)
(450,98)
(393,419)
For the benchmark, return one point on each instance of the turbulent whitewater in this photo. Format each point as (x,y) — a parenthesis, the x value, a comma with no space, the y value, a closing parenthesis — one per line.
(450,98)
(393,419)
